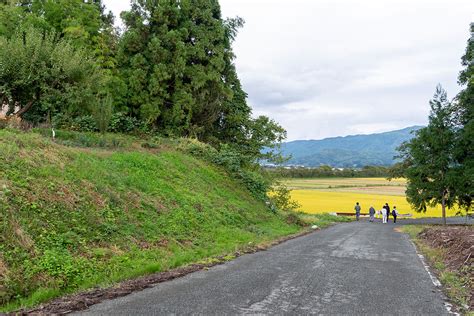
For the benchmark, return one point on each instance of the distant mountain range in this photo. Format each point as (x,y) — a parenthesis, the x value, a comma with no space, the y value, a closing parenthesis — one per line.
(349,151)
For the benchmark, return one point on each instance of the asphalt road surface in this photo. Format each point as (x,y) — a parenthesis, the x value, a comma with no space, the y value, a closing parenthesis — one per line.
(357,268)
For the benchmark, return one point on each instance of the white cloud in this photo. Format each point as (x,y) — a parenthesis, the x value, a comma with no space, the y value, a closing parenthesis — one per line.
(336,67)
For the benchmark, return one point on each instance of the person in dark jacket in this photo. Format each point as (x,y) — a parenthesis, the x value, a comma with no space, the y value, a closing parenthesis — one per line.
(357,210)
(388,211)
(394,214)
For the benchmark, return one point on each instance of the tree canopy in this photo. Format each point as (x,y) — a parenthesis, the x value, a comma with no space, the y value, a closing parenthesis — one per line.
(170,71)
(428,162)
(439,162)
(464,107)
(40,73)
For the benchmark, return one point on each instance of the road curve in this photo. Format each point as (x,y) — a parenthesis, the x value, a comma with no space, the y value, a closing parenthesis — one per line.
(358,268)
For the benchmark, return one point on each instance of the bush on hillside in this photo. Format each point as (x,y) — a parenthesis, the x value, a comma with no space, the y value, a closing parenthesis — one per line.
(232,161)
(281,198)
(120,122)
(78,139)
(85,123)
(61,121)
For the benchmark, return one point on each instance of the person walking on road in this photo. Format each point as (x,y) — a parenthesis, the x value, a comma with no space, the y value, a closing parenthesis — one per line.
(394,214)
(384,214)
(388,211)
(371,213)
(357,209)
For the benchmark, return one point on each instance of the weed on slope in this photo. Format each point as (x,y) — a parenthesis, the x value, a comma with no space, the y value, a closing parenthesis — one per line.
(72,218)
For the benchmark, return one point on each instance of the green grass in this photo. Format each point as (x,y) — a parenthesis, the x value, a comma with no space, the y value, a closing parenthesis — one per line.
(91,210)
(413,230)
(323,220)
(87,139)
(453,282)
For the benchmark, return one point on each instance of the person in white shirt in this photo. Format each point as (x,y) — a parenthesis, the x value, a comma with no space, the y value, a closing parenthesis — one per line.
(384,215)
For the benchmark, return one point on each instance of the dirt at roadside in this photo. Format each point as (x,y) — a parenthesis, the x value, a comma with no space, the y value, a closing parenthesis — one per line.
(458,243)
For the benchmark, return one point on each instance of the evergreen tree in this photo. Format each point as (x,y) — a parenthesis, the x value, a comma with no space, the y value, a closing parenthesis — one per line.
(233,123)
(151,57)
(428,161)
(174,56)
(464,106)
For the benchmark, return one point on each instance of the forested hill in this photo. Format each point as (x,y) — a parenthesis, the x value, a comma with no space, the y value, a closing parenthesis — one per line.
(349,151)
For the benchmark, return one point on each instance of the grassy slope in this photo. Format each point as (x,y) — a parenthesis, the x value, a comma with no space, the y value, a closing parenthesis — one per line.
(72,218)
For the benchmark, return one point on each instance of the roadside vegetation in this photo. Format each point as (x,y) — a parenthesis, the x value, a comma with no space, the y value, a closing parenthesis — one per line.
(90,209)
(124,153)
(448,251)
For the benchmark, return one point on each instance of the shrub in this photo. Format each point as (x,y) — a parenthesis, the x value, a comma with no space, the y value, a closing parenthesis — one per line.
(230,158)
(122,123)
(232,161)
(281,198)
(295,218)
(61,121)
(83,139)
(197,149)
(255,183)
(85,123)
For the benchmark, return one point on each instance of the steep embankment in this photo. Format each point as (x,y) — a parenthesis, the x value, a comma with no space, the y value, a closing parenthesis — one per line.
(72,218)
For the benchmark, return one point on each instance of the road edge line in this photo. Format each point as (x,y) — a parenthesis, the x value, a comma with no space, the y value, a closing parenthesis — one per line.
(434,279)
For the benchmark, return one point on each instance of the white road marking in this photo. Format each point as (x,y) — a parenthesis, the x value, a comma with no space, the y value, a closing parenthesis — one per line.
(434,279)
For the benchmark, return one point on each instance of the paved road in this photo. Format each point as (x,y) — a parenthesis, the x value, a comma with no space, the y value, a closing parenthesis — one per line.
(459,220)
(358,268)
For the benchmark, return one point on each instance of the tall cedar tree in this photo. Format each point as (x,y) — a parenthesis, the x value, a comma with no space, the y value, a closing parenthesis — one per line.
(177,61)
(428,160)
(464,106)
(175,58)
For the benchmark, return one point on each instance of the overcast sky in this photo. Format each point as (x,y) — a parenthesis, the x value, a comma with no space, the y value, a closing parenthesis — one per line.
(326,68)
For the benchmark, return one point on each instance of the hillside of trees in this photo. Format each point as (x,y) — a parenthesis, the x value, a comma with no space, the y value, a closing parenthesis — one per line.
(330,172)
(355,151)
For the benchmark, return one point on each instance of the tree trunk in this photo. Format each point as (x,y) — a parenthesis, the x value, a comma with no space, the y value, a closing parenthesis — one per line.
(443,207)
(24,109)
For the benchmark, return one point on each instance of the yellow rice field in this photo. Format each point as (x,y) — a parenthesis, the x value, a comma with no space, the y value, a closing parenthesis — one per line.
(340,195)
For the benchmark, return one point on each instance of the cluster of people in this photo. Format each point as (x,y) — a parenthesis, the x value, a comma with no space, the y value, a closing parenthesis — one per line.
(385,212)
